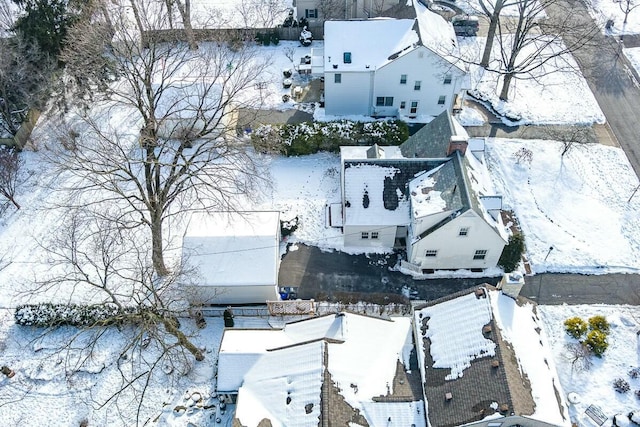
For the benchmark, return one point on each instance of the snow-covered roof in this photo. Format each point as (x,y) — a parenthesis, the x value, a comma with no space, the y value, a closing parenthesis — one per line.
(360,152)
(284,386)
(234,248)
(364,194)
(356,346)
(435,32)
(455,332)
(435,191)
(370,43)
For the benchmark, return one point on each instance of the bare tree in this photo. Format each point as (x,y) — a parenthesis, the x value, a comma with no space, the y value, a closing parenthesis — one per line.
(579,355)
(571,137)
(10,164)
(186,155)
(91,259)
(531,46)
(261,13)
(627,6)
(331,9)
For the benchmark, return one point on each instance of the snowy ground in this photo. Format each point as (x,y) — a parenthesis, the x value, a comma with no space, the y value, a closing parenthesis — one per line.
(595,386)
(577,204)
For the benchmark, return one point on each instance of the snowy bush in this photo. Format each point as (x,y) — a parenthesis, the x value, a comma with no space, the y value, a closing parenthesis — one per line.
(634,373)
(289,227)
(596,341)
(576,327)
(311,137)
(599,323)
(621,386)
(48,315)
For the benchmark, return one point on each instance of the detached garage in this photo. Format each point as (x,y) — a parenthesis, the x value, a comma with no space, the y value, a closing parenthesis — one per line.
(236,255)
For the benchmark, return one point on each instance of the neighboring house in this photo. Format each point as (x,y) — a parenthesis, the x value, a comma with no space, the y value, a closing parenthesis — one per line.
(236,256)
(323,10)
(406,68)
(427,196)
(470,374)
(343,369)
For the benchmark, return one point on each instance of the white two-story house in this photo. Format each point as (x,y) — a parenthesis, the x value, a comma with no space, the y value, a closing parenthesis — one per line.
(429,196)
(391,67)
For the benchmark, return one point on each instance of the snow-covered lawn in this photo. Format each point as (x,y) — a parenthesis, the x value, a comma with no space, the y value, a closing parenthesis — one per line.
(578,204)
(530,95)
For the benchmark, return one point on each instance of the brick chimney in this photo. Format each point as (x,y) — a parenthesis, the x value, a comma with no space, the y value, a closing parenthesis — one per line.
(457,143)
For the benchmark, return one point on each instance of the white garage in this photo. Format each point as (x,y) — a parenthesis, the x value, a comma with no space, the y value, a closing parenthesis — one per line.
(236,256)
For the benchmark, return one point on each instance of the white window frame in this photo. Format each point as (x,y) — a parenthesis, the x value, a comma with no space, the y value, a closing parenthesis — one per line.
(431,253)
(447,79)
(442,100)
(414,107)
(403,79)
(417,85)
(364,235)
(464,231)
(374,235)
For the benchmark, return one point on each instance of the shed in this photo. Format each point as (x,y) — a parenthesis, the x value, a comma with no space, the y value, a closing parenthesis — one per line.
(236,255)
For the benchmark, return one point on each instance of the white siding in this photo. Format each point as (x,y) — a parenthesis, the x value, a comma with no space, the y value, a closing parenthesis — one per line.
(421,65)
(351,96)
(455,251)
(234,294)
(386,236)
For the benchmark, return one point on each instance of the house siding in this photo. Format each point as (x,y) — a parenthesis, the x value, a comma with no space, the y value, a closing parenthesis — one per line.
(351,96)
(386,236)
(455,251)
(232,294)
(425,66)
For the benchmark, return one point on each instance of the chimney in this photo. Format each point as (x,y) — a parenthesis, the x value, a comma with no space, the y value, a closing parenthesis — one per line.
(457,145)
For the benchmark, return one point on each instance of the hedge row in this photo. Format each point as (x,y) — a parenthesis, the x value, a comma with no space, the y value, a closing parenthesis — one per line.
(311,137)
(46,314)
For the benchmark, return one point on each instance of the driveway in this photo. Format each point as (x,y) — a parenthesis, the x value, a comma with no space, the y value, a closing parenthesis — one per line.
(319,274)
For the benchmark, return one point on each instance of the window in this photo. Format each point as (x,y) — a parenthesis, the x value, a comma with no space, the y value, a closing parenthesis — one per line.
(417,85)
(403,79)
(311,13)
(337,78)
(346,57)
(364,235)
(431,253)
(447,79)
(414,107)
(442,99)
(374,234)
(480,254)
(463,231)
(384,101)
(403,105)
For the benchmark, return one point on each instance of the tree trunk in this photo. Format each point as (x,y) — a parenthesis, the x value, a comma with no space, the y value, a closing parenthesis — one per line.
(185,13)
(506,82)
(170,326)
(157,249)
(12,200)
(491,34)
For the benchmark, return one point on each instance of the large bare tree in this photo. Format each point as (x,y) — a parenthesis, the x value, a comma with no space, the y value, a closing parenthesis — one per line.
(530,44)
(186,155)
(10,165)
(128,308)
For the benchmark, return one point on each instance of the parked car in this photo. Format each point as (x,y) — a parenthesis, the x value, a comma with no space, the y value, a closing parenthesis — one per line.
(465,25)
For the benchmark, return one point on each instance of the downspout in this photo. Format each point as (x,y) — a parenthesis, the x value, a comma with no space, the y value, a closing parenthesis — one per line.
(372,75)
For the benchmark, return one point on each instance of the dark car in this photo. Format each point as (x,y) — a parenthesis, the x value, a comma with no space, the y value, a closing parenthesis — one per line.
(465,25)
